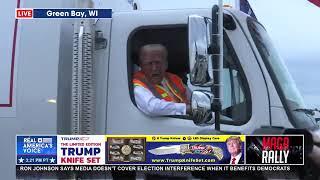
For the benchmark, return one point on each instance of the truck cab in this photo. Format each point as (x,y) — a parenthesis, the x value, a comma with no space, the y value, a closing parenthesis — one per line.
(257,89)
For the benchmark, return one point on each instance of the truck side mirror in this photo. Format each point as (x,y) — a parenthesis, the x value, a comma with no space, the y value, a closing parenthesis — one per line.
(199,37)
(201,107)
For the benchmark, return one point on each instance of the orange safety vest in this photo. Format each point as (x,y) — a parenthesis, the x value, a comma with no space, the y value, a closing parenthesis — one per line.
(174,83)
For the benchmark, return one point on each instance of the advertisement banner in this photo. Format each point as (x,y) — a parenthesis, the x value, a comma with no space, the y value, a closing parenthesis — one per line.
(150,153)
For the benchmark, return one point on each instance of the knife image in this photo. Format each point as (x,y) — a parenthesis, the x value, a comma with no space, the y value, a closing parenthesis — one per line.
(189,149)
(164,150)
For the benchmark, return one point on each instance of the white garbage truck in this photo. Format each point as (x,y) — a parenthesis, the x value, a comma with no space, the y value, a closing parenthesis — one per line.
(74,76)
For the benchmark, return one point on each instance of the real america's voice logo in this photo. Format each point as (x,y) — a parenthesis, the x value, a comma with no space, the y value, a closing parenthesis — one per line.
(36,150)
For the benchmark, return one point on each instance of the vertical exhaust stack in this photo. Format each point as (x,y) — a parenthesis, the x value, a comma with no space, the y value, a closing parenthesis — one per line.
(83,95)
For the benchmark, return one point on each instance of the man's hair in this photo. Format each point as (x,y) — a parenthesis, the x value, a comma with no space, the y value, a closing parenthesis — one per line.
(237,138)
(149,47)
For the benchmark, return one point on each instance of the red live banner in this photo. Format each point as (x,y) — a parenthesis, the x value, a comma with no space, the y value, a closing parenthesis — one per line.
(24,13)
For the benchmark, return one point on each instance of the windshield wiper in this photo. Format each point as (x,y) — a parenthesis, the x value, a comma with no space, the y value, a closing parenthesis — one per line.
(308,111)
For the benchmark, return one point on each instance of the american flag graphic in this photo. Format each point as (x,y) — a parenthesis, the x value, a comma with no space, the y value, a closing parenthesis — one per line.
(47,140)
(315,2)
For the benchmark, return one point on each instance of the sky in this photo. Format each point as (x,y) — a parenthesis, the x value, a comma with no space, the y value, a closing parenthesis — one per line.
(294,27)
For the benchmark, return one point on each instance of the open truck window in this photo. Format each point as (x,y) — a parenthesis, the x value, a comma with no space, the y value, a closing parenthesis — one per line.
(172,37)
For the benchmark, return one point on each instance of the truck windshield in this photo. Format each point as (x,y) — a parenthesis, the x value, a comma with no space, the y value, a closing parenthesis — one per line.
(280,75)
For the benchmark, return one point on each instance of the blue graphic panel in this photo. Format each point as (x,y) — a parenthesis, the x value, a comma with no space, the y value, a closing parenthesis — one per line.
(36,150)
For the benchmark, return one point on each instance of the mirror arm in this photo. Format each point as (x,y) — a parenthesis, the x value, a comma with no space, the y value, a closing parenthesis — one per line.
(216,106)
(215,48)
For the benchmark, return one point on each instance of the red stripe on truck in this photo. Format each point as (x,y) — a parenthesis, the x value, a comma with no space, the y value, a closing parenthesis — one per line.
(12,61)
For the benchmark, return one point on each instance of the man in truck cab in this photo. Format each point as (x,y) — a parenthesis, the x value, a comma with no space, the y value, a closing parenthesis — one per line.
(156,91)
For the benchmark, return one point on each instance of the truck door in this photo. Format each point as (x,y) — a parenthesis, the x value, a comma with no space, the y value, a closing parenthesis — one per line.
(129,31)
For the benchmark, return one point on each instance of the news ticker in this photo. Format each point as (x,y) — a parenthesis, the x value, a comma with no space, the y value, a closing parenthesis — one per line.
(159,150)
(198,171)
(151,168)
(32,13)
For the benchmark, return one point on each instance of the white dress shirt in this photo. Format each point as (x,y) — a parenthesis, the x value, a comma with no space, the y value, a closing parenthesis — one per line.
(237,158)
(153,106)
